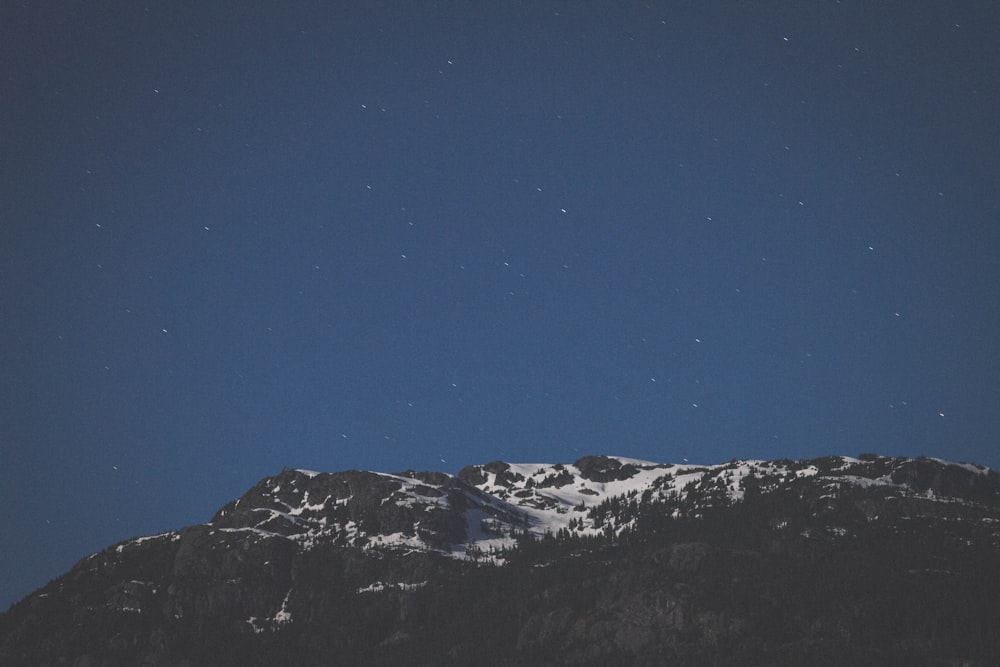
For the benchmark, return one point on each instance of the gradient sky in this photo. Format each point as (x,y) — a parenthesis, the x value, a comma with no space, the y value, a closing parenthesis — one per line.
(240,236)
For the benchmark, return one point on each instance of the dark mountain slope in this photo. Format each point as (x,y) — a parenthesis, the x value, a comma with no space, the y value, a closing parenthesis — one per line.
(606,561)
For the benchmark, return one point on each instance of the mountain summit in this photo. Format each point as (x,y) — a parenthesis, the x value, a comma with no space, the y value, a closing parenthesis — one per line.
(606,560)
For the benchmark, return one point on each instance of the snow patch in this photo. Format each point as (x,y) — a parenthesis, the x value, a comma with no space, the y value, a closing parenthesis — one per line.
(282,615)
(971,467)
(380,586)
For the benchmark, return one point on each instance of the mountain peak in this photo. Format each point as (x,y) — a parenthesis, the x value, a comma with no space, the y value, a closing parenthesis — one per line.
(322,553)
(486,507)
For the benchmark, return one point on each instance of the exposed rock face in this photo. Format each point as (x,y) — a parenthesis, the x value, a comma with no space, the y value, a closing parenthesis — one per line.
(608,560)
(350,508)
(604,469)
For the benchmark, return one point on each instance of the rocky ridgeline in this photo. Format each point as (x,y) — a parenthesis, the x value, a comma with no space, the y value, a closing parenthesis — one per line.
(485,507)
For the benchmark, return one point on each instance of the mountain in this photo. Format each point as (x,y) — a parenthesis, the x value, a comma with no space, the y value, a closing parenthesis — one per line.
(610,560)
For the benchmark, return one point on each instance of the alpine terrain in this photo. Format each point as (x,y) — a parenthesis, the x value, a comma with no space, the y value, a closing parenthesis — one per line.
(608,561)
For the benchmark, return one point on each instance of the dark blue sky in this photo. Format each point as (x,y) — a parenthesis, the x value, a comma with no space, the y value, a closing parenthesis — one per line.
(241,236)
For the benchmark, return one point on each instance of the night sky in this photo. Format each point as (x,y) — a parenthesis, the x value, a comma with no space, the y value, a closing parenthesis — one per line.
(242,236)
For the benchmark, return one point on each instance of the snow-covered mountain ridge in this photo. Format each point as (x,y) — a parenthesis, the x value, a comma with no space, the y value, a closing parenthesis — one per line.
(773,562)
(484,508)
